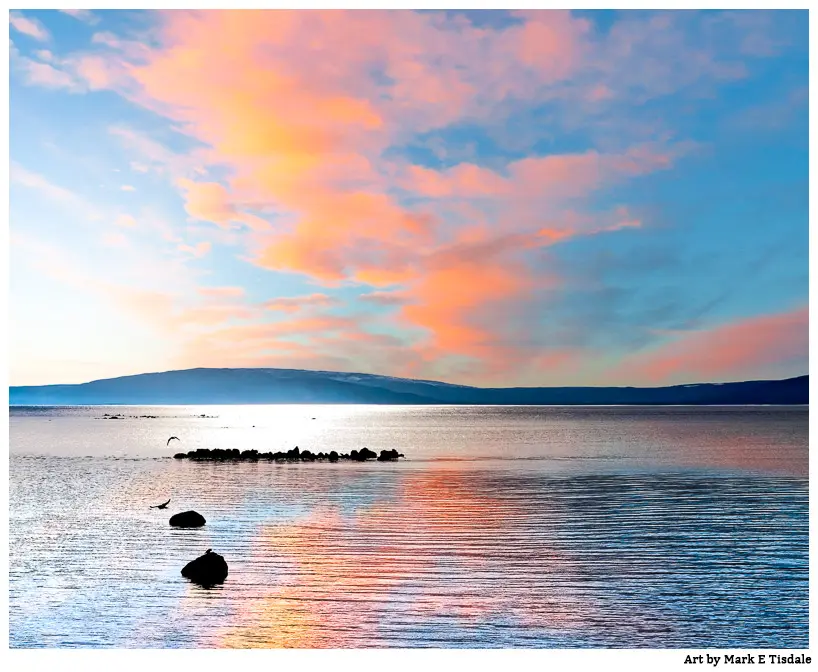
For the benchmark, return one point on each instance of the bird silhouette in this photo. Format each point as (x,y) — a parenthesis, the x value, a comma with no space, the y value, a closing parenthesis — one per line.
(161,506)
(171,439)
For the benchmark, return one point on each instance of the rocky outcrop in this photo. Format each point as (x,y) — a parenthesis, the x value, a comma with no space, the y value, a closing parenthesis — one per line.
(362,455)
(187,519)
(207,570)
(293,455)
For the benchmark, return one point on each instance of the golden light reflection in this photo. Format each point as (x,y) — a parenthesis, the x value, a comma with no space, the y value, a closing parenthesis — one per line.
(435,551)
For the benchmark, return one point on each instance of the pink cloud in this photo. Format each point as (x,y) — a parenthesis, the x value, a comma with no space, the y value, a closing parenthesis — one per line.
(39,73)
(221,292)
(291,304)
(385,298)
(198,250)
(740,349)
(28,26)
(84,15)
(95,71)
(303,134)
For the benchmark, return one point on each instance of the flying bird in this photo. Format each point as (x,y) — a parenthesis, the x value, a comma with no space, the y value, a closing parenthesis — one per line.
(171,439)
(161,506)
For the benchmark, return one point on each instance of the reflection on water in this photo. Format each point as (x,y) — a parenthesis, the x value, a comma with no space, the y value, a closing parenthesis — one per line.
(603,537)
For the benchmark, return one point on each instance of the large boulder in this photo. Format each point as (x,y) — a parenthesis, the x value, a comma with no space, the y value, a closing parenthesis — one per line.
(389,455)
(187,519)
(206,570)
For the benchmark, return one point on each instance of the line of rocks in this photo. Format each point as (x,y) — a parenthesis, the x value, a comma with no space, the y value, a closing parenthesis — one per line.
(294,455)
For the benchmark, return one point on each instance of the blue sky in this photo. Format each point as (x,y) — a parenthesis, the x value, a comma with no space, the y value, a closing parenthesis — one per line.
(536,198)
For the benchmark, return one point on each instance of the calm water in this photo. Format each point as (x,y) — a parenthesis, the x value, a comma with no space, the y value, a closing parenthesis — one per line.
(506,527)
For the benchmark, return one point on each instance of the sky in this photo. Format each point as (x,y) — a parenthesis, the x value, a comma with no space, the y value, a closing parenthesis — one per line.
(491,198)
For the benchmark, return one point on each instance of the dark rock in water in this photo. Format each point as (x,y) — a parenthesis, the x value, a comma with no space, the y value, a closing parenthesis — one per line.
(389,455)
(206,570)
(294,455)
(187,519)
(366,454)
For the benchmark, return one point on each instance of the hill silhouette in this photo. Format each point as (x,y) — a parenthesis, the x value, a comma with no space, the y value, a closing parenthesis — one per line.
(293,386)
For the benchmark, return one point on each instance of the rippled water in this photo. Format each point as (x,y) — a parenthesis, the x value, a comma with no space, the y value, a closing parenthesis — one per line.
(505,527)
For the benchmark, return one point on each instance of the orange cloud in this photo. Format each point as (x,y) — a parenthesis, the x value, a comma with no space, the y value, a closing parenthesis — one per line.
(298,110)
(740,349)
(210,201)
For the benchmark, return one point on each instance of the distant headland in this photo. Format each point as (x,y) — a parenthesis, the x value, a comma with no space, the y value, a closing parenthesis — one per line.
(296,386)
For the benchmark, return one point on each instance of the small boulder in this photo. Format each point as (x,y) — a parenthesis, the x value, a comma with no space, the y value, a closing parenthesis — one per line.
(206,570)
(187,519)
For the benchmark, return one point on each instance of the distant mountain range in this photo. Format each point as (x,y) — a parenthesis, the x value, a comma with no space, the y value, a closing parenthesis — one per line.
(294,386)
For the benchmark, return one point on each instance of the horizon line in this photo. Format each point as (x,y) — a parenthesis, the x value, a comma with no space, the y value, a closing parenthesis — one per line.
(416,380)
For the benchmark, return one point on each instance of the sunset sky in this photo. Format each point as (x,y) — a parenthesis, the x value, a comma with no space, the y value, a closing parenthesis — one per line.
(491,198)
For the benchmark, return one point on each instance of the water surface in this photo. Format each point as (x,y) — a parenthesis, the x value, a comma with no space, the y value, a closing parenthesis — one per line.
(505,527)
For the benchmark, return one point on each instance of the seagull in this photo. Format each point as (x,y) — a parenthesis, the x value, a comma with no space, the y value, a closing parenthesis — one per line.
(171,439)
(161,506)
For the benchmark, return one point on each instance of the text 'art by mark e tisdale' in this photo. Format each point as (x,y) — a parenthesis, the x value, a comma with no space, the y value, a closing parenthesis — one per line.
(749,659)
